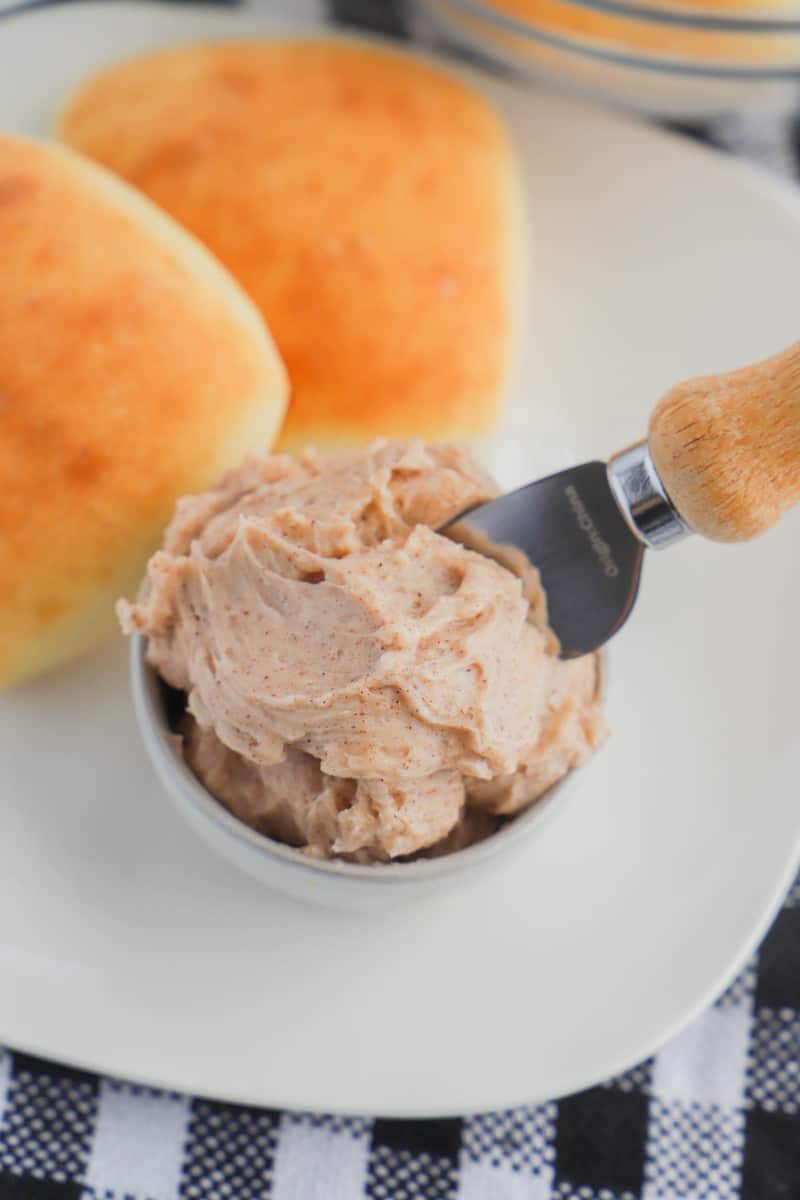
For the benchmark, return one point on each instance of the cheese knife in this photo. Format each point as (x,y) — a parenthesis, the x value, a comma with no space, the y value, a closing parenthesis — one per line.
(721,459)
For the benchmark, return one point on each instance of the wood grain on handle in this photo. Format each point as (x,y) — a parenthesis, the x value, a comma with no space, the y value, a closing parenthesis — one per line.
(727,447)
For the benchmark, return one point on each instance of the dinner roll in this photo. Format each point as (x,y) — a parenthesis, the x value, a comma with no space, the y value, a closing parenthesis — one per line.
(132,369)
(367,201)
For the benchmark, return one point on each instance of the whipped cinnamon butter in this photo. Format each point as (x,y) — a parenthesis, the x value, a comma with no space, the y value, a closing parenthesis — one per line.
(358,684)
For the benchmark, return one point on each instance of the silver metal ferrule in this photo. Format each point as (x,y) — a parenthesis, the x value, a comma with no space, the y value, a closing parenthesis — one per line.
(643,499)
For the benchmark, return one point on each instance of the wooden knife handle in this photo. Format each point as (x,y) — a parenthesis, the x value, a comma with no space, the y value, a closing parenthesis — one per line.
(727,447)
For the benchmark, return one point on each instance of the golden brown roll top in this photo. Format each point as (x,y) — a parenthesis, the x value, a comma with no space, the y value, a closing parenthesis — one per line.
(366,200)
(132,370)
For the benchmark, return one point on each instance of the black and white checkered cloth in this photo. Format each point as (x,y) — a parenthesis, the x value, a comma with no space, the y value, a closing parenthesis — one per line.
(715,1115)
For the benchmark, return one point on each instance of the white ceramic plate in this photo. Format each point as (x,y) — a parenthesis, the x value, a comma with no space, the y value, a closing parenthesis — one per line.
(126,946)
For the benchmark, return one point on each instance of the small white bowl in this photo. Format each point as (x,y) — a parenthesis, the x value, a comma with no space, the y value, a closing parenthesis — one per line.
(331,883)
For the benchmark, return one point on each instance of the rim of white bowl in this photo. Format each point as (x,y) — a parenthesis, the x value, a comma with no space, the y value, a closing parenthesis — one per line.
(171,768)
(761,19)
(453,15)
